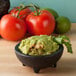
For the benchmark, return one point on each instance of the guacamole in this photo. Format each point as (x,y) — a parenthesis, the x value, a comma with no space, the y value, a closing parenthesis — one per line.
(38,45)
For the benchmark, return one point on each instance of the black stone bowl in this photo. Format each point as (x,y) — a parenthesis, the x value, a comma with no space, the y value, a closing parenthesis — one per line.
(39,62)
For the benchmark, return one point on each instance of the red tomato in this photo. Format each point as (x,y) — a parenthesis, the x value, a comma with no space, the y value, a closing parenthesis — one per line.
(23,13)
(14,10)
(43,24)
(12,28)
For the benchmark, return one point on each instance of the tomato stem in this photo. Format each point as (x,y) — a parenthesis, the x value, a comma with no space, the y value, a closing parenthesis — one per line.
(19,13)
(36,9)
(31,5)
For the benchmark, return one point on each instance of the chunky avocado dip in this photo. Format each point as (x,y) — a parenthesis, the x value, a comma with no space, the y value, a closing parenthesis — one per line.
(38,45)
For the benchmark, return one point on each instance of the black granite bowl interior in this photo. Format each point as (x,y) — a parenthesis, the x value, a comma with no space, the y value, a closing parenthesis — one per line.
(39,62)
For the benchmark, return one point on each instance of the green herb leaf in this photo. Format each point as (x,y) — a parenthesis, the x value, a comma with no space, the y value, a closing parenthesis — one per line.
(63,40)
(68,45)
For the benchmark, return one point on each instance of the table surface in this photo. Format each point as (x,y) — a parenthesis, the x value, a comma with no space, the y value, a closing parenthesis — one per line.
(11,66)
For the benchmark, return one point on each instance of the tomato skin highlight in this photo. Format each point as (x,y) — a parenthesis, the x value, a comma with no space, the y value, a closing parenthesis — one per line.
(12,28)
(43,24)
(23,13)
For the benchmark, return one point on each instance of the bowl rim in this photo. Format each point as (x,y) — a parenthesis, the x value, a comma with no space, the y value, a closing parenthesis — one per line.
(61,48)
